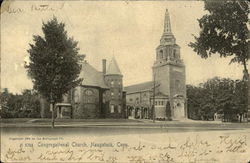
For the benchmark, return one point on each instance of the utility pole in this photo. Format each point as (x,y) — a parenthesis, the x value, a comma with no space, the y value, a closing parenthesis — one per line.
(154,100)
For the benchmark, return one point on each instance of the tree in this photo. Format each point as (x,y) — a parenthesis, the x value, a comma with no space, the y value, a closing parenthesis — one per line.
(5,99)
(31,105)
(240,97)
(217,95)
(224,31)
(25,105)
(54,62)
(195,100)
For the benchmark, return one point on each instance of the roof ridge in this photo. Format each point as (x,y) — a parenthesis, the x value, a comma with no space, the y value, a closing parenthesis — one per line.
(140,87)
(93,68)
(139,83)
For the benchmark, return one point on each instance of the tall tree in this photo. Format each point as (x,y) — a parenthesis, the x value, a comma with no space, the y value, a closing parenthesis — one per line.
(224,31)
(54,62)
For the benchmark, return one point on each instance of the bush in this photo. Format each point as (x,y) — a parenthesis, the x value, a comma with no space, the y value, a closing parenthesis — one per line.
(4,113)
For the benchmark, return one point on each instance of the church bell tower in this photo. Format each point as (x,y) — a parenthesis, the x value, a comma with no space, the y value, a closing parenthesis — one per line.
(169,71)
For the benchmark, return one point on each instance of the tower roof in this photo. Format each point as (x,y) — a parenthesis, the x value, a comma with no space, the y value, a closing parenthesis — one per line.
(167,37)
(167,24)
(113,68)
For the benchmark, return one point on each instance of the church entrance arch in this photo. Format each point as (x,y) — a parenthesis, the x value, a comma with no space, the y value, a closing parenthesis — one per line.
(131,112)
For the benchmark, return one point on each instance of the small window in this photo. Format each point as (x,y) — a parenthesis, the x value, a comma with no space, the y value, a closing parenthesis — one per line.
(112,110)
(112,93)
(131,99)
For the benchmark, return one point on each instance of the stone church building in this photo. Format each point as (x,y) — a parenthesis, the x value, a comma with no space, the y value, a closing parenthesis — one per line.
(167,90)
(100,94)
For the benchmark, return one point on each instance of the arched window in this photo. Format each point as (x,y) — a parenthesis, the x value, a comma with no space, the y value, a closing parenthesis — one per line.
(76,95)
(89,92)
(104,97)
(137,100)
(161,54)
(112,109)
(116,109)
(174,54)
(119,109)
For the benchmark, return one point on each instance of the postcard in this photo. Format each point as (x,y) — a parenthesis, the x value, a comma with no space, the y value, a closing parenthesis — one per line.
(125,81)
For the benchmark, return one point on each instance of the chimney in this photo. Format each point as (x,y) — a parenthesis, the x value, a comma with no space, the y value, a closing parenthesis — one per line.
(104,66)
(81,58)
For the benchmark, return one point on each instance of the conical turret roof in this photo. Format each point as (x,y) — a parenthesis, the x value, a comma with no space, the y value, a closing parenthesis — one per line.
(113,68)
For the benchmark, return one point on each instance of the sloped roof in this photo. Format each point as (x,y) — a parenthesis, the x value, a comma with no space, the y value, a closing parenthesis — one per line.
(91,76)
(140,87)
(113,68)
(160,95)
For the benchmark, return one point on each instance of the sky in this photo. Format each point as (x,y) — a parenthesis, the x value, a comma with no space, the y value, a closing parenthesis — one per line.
(130,31)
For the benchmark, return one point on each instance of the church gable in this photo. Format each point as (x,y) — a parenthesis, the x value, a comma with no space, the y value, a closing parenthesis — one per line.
(92,77)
